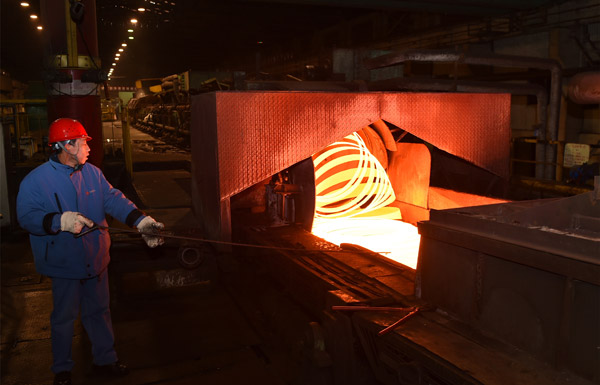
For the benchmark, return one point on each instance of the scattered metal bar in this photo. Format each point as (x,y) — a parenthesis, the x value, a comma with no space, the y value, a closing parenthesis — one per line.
(397,323)
(370,308)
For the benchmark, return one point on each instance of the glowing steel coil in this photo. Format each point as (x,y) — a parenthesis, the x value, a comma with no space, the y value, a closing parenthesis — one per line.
(350,181)
(353,196)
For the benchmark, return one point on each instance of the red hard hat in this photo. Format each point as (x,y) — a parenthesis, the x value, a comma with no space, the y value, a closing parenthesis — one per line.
(66,129)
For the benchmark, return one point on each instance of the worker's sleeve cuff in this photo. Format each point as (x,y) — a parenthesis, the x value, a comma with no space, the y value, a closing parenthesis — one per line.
(134,217)
(51,223)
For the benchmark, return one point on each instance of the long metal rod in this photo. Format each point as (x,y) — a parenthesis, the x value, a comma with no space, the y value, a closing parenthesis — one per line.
(168,235)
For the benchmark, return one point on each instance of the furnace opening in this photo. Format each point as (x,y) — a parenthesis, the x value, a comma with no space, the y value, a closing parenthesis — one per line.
(354,199)
(370,189)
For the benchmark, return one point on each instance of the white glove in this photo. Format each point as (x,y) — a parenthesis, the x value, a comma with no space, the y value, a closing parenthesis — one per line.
(149,226)
(73,222)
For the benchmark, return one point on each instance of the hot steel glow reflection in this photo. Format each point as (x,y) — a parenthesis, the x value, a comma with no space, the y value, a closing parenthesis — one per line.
(353,196)
(396,240)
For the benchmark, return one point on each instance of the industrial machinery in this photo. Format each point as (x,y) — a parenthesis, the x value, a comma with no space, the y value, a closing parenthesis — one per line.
(161,106)
(501,293)
(162,110)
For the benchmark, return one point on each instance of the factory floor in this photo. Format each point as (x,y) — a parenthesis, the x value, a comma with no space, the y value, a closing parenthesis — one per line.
(172,325)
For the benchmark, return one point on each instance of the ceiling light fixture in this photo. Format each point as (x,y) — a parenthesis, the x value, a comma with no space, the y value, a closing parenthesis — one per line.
(117,58)
(133,21)
(114,64)
(130,37)
(142,9)
(130,30)
(120,49)
(24,4)
(118,54)
(33,16)
(124,45)
(40,27)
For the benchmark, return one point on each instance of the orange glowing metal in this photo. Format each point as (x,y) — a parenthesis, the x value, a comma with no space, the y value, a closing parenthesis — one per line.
(353,194)
(358,188)
(395,239)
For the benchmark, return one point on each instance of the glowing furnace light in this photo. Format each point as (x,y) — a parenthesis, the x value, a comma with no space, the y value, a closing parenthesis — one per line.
(353,196)
(395,239)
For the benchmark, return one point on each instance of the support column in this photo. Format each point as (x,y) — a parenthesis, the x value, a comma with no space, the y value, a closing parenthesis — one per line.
(74,71)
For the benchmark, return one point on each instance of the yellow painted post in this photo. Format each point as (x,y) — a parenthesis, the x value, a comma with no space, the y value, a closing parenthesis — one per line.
(126,141)
(72,53)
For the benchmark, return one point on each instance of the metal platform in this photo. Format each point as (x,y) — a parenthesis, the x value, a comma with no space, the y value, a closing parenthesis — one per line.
(528,273)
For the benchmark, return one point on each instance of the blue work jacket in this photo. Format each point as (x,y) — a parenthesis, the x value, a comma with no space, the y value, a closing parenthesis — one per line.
(53,188)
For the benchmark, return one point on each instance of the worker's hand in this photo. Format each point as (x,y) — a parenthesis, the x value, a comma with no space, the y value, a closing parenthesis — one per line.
(73,222)
(148,226)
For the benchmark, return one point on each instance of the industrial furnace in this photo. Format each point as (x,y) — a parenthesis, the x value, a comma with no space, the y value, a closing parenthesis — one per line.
(271,167)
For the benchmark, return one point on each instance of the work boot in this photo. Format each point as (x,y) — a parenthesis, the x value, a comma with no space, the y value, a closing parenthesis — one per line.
(62,378)
(116,369)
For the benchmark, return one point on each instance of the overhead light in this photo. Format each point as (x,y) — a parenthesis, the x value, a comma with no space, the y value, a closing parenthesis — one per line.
(118,54)
(130,37)
(120,49)
(130,30)
(24,4)
(133,21)
(124,45)
(33,16)
(141,9)
(117,58)
(114,64)
(40,27)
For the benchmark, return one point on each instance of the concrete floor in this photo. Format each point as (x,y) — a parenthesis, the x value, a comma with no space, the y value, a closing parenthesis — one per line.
(172,326)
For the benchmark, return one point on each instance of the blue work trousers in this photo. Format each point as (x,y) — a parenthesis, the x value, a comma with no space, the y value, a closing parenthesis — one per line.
(91,296)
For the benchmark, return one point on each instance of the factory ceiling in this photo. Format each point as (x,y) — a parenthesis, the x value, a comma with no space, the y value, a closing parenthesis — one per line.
(172,36)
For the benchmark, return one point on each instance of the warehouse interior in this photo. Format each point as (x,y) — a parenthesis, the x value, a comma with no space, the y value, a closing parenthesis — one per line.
(353,192)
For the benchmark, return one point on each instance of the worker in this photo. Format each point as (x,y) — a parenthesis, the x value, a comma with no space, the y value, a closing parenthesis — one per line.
(56,201)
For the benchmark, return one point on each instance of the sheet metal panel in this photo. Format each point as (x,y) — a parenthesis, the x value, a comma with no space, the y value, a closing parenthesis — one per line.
(527,272)
(261,133)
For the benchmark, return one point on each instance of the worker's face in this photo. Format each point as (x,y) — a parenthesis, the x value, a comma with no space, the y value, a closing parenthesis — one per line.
(80,150)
